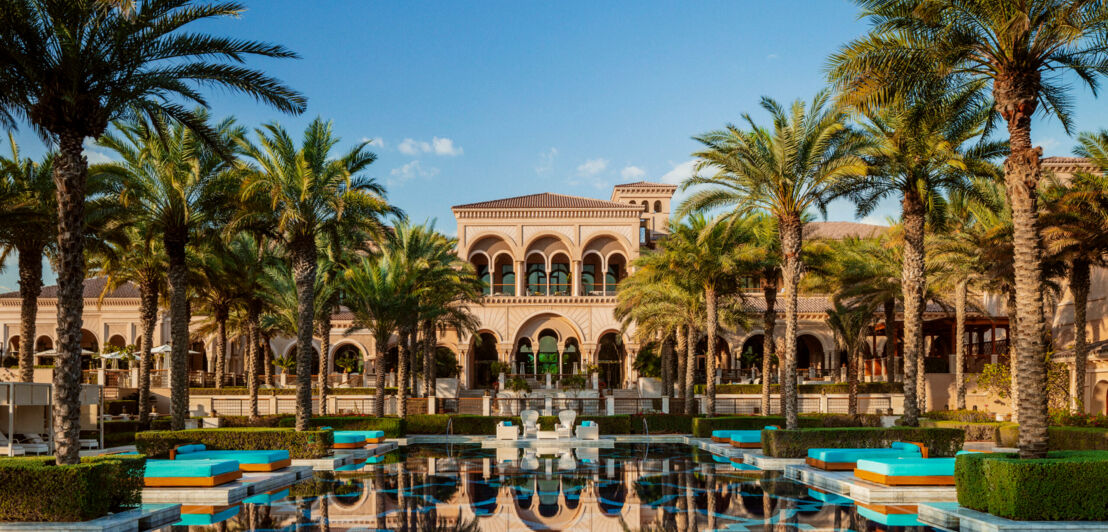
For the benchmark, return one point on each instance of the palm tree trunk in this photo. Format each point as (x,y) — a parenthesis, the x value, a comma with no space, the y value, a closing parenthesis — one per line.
(666,359)
(70,169)
(148,315)
(1013,370)
(852,381)
(178,330)
(890,338)
(924,343)
(769,345)
(324,360)
(252,355)
(711,494)
(682,360)
(690,369)
(710,354)
(221,346)
(912,280)
(1079,285)
(429,366)
(380,347)
(1016,99)
(413,331)
(791,240)
(403,352)
(30,286)
(266,358)
(960,345)
(304,262)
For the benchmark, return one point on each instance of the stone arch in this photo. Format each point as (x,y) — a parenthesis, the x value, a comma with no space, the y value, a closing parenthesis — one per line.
(657,205)
(1099,402)
(611,358)
(44,343)
(13,345)
(481,356)
(489,246)
(563,326)
(491,257)
(117,340)
(809,351)
(345,348)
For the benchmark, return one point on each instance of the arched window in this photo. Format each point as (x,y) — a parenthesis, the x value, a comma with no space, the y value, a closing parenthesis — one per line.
(548,352)
(658,206)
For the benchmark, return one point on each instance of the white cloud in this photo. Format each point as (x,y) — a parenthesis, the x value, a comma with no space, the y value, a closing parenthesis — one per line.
(445,146)
(1048,145)
(680,172)
(411,171)
(875,220)
(592,167)
(94,156)
(772,57)
(375,143)
(632,172)
(546,161)
(438,146)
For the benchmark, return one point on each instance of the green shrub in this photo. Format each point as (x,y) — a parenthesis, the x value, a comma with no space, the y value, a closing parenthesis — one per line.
(121,406)
(1064,486)
(266,392)
(393,427)
(662,423)
(306,444)
(35,489)
(1008,434)
(969,416)
(795,443)
(702,427)
(839,387)
(247,421)
(1078,438)
(974,431)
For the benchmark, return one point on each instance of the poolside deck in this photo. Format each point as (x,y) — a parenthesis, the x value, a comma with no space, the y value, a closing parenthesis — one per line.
(951,516)
(846,484)
(147,517)
(232,492)
(345,457)
(546,443)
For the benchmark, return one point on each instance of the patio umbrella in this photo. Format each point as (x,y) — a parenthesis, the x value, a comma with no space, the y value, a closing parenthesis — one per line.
(54,353)
(166,348)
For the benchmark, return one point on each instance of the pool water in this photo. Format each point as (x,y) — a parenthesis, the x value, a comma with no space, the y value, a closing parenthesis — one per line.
(657,487)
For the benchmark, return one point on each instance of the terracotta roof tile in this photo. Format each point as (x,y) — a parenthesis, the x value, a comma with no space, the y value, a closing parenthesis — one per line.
(92,289)
(547,200)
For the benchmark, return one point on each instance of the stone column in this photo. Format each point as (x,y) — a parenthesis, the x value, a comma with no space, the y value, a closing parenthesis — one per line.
(521,277)
(576,282)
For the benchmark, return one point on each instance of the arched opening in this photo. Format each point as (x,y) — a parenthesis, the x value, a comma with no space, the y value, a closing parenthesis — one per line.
(723,357)
(117,342)
(504,277)
(657,206)
(483,272)
(88,343)
(1099,403)
(612,496)
(536,275)
(198,357)
(482,495)
(809,352)
(547,357)
(571,357)
(484,255)
(752,350)
(44,343)
(617,270)
(524,359)
(13,345)
(347,358)
(392,357)
(484,354)
(592,283)
(609,359)
(560,279)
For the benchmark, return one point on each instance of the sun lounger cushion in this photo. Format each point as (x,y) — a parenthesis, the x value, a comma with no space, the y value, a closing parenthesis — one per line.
(588,424)
(191,448)
(829,498)
(891,519)
(208,519)
(908,467)
(364,434)
(189,468)
(838,456)
(349,438)
(243,457)
(267,498)
(507,423)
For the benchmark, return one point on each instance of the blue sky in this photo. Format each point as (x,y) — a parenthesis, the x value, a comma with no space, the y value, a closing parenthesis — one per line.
(471,101)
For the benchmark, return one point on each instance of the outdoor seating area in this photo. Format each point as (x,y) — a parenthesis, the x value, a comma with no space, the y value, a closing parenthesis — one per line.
(251,461)
(846,459)
(190,473)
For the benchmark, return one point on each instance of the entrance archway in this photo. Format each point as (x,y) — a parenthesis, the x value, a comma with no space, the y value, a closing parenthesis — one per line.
(346,351)
(809,352)
(1099,403)
(571,357)
(484,354)
(609,359)
(524,359)
(547,356)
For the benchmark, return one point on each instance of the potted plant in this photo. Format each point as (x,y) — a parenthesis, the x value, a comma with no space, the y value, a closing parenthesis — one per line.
(286,365)
(347,364)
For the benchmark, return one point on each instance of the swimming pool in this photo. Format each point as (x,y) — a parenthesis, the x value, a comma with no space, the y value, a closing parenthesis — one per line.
(656,487)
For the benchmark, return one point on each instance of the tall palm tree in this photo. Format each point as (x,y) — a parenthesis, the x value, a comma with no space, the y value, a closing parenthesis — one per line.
(765,231)
(255,261)
(921,149)
(217,278)
(1075,230)
(308,192)
(373,288)
(179,185)
(849,323)
(1023,50)
(785,170)
(69,68)
(140,260)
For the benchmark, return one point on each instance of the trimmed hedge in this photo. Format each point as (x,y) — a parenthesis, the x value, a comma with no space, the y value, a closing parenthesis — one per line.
(1064,486)
(969,416)
(393,427)
(795,443)
(662,423)
(839,387)
(307,444)
(974,431)
(702,427)
(1077,438)
(266,392)
(36,489)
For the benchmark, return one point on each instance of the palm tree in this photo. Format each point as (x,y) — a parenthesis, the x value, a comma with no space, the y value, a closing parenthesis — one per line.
(254,261)
(70,68)
(765,231)
(921,150)
(373,288)
(1075,230)
(308,193)
(178,185)
(216,285)
(785,170)
(849,323)
(1023,49)
(141,260)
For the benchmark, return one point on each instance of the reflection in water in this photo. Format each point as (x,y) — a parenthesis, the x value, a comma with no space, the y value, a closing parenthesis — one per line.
(465,488)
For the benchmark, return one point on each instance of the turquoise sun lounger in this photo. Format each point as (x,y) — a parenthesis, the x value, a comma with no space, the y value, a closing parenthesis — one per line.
(251,461)
(727,436)
(353,439)
(749,439)
(890,519)
(907,471)
(845,459)
(208,519)
(190,473)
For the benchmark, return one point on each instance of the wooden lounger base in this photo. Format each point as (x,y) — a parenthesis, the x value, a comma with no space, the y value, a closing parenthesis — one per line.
(358,445)
(720,440)
(889,480)
(829,466)
(374,440)
(193,509)
(897,509)
(262,468)
(746,445)
(192,482)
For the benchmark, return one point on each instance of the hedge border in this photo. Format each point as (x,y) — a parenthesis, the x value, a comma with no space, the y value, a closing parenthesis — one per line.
(36,489)
(300,445)
(795,443)
(1064,486)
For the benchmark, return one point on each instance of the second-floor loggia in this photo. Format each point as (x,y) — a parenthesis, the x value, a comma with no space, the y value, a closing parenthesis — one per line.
(558,275)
